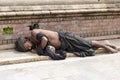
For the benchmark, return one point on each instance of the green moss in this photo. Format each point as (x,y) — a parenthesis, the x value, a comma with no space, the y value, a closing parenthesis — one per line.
(7,31)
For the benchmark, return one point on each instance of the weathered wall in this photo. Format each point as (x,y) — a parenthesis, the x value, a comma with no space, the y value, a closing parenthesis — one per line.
(91,19)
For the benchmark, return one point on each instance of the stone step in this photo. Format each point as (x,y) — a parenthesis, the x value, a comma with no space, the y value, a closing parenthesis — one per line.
(52,2)
(56,9)
(13,57)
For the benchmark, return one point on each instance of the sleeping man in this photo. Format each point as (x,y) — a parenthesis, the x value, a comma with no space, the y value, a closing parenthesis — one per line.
(56,44)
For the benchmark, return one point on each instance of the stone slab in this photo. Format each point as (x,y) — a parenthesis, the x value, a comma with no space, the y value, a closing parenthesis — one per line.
(60,7)
(52,2)
(102,67)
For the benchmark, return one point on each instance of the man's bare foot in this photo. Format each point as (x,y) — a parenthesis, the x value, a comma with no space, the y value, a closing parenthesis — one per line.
(112,49)
(111,45)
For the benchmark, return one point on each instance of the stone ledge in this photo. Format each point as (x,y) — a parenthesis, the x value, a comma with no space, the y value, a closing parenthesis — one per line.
(104,37)
(57,12)
(42,58)
(52,2)
(7,46)
(14,57)
(51,9)
(59,7)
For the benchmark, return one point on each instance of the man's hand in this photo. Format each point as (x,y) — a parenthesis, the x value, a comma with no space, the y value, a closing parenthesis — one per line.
(52,48)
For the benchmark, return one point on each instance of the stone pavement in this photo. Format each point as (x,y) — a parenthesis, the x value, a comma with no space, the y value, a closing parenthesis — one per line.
(13,57)
(100,67)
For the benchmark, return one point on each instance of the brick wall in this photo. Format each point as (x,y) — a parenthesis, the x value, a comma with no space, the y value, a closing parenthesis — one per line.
(91,19)
(84,25)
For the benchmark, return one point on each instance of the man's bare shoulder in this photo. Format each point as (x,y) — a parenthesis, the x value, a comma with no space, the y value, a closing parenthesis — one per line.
(37,30)
(46,32)
(41,30)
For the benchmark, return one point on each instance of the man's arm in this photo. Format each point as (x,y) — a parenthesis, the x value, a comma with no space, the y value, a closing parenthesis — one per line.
(43,41)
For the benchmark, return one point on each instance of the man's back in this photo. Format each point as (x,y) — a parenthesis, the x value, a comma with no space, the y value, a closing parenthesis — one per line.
(52,36)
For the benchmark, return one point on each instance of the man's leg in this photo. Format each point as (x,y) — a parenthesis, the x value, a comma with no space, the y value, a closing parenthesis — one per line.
(108,47)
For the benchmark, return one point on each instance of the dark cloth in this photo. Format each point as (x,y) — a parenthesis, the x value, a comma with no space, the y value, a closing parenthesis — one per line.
(58,55)
(33,26)
(19,45)
(73,43)
(39,46)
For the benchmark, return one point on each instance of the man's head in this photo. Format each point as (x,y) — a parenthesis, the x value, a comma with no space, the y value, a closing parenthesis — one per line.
(23,44)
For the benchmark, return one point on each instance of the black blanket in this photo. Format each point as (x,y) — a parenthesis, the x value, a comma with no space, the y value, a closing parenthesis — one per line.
(57,55)
(75,44)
